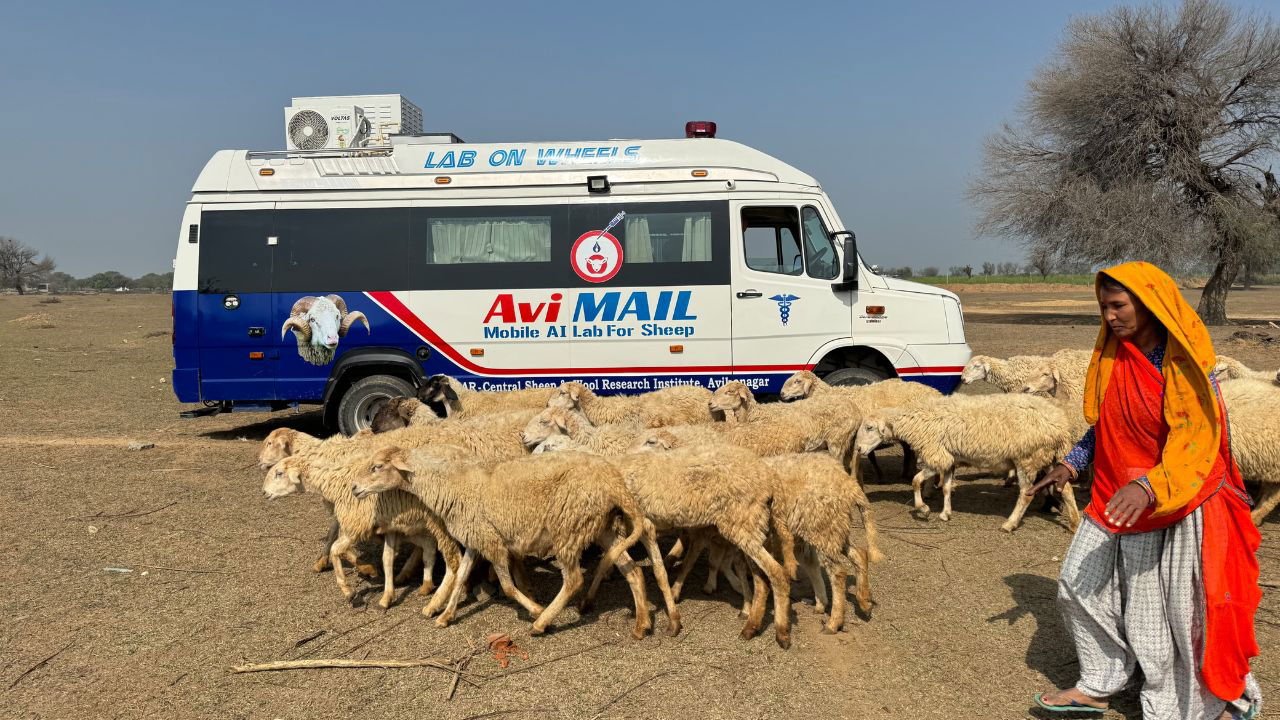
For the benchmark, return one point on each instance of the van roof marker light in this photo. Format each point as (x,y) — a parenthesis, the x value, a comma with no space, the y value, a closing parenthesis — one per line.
(266,171)
(699,129)
(443,180)
(699,173)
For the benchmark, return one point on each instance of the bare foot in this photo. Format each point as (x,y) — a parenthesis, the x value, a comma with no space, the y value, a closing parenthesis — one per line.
(1066,697)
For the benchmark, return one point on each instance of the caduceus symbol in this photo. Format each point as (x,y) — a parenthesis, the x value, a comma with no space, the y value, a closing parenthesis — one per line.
(784,306)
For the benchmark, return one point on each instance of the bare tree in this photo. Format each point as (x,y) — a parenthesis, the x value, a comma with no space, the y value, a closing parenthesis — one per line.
(1145,137)
(988,268)
(18,264)
(1040,260)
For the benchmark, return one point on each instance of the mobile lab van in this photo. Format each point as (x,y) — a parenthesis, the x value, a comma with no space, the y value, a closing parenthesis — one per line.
(342,276)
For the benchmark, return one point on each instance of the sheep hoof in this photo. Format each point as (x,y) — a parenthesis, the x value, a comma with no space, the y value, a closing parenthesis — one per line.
(426,589)
(747,633)
(586,606)
(366,570)
(944,517)
(1007,528)
(826,630)
(639,633)
(784,640)
(321,565)
(535,630)
(673,628)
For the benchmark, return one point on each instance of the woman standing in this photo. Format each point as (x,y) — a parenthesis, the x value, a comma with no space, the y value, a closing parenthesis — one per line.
(1163,573)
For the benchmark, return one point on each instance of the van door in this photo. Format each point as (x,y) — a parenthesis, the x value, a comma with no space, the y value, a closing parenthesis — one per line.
(238,357)
(784,308)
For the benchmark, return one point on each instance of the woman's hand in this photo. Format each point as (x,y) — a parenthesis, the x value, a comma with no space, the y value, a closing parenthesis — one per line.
(1059,476)
(1127,505)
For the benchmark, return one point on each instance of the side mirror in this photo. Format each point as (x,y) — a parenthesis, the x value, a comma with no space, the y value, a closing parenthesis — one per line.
(849,273)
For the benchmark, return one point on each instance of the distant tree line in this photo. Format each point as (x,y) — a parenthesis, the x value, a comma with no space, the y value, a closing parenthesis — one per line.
(23,268)
(1037,263)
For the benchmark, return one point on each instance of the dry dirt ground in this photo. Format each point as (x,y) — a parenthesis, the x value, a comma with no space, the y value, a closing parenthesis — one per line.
(965,626)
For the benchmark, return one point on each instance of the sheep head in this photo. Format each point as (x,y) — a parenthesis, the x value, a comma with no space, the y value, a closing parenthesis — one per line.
(1227,368)
(799,386)
(317,324)
(277,446)
(734,399)
(656,441)
(876,429)
(554,443)
(388,470)
(976,369)
(395,413)
(284,479)
(440,389)
(547,424)
(571,395)
(1043,381)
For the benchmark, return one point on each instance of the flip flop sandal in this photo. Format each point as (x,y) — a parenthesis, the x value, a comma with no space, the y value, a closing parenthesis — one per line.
(1249,714)
(1073,707)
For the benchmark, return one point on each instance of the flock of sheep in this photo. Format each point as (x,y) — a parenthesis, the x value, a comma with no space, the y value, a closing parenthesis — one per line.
(546,473)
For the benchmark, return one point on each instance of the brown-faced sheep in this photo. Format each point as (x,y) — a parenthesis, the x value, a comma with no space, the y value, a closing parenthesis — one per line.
(400,412)
(573,431)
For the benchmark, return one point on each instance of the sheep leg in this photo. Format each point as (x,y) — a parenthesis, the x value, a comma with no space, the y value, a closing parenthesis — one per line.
(916,483)
(427,553)
(520,576)
(743,571)
(457,591)
(716,561)
(629,570)
(415,557)
(390,544)
(650,540)
(734,572)
(696,546)
(502,568)
(948,482)
(909,462)
(677,550)
(809,561)
(839,597)
(875,465)
(754,608)
(452,557)
(862,588)
(323,563)
(572,574)
(1024,501)
(1070,508)
(781,585)
(336,550)
(1268,498)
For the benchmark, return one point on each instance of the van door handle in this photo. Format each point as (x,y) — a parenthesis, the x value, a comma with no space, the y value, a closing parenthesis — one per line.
(750,294)
(257,332)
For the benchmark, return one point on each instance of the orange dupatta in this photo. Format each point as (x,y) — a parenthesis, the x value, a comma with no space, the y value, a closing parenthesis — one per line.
(1190,410)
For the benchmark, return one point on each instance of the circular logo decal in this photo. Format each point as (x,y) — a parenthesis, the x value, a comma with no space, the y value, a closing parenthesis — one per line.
(596,256)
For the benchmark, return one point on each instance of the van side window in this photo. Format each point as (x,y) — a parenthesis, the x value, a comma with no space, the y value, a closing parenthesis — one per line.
(457,240)
(819,251)
(771,240)
(666,237)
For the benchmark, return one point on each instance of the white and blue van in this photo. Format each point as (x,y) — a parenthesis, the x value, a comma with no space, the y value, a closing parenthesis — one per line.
(345,276)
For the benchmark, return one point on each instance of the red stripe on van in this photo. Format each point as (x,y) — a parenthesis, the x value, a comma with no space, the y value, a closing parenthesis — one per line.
(389,302)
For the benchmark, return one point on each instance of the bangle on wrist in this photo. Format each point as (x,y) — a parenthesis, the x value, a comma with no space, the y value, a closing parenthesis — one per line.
(1151,495)
(1074,473)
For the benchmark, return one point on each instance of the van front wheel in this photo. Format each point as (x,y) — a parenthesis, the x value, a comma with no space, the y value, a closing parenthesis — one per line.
(854,376)
(365,397)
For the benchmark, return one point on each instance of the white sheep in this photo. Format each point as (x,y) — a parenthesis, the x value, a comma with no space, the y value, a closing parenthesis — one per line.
(1018,431)
(676,405)
(317,324)
(461,401)
(551,504)
(1228,368)
(1253,414)
(768,429)
(396,515)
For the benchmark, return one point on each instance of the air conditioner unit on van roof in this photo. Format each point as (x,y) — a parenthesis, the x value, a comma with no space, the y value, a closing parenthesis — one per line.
(382,116)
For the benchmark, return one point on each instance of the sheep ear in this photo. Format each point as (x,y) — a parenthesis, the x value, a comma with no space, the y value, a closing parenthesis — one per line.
(574,391)
(398,460)
(450,395)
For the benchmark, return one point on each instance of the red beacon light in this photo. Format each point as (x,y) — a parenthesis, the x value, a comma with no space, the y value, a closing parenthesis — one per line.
(700,129)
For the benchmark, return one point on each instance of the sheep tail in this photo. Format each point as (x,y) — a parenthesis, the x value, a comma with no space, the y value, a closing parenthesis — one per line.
(786,544)
(869,525)
(629,508)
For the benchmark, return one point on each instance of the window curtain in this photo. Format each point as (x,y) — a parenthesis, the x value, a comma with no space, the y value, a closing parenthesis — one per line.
(697,238)
(481,240)
(637,246)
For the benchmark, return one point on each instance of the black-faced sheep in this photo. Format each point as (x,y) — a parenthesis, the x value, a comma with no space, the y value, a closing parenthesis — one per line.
(318,323)
(460,401)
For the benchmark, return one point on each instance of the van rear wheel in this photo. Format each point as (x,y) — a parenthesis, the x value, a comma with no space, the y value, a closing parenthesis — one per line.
(854,376)
(365,397)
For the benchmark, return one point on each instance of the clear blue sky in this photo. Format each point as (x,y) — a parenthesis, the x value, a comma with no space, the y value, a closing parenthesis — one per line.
(112,108)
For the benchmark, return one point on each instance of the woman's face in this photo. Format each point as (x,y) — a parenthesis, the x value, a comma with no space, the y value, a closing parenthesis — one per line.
(1123,314)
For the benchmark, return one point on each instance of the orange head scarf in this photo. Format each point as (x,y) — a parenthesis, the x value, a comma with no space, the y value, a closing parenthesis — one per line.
(1190,407)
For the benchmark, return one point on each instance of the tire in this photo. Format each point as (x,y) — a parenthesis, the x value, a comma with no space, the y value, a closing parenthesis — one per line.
(362,400)
(854,376)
